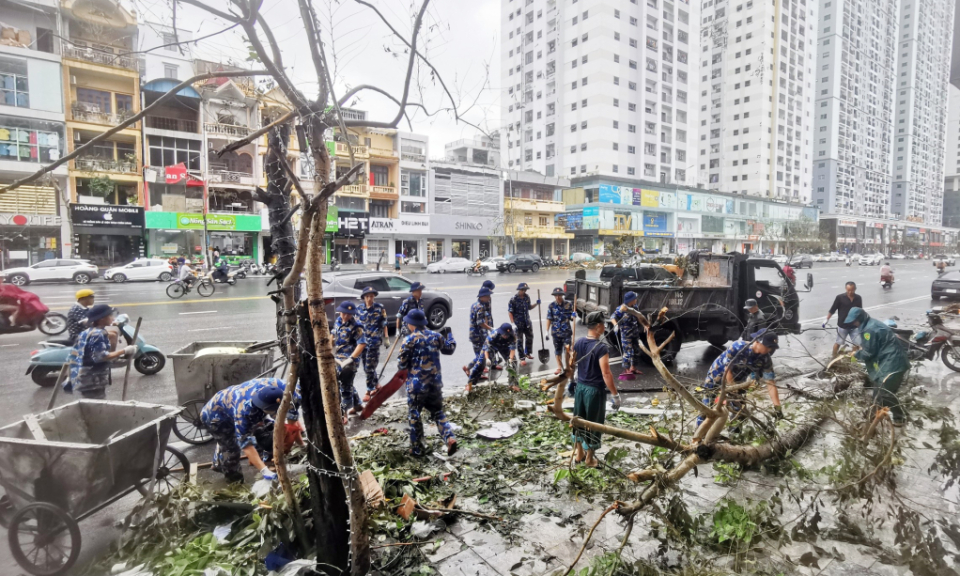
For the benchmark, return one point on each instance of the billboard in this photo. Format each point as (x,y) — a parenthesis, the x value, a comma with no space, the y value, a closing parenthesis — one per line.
(655,224)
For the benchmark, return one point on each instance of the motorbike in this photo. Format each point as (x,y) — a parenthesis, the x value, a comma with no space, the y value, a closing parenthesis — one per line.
(231,277)
(46,362)
(334,264)
(471,271)
(51,324)
(886,281)
(927,344)
(32,315)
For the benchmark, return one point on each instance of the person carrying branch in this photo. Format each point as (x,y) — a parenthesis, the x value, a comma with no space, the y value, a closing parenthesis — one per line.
(411,303)
(630,331)
(744,358)
(480,325)
(593,379)
(502,341)
(519,309)
(560,315)
(885,359)
(240,420)
(420,357)
(349,343)
(373,318)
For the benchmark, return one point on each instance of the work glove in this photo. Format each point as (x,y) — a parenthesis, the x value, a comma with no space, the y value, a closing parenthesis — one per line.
(616,401)
(445,331)
(345,363)
(386,343)
(130,350)
(267,474)
(616,328)
(548,337)
(824,325)
(538,301)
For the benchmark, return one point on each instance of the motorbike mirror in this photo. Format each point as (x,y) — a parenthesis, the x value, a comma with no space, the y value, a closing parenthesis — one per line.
(123,319)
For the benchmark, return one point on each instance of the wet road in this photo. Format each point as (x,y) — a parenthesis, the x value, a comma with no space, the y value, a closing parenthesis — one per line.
(243,312)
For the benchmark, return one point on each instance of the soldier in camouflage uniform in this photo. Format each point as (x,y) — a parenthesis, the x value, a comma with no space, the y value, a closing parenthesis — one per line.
(237,417)
(480,320)
(560,314)
(503,341)
(411,303)
(373,318)
(420,357)
(519,309)
(630,330)
(348,344)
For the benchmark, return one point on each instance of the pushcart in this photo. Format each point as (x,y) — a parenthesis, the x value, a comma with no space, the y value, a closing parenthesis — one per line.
(61,466)
(201,369)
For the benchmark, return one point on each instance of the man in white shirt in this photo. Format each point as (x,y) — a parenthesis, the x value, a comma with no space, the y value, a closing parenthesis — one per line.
(186,274)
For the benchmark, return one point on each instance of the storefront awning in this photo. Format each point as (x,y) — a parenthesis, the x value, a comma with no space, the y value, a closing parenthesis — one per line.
(164,85)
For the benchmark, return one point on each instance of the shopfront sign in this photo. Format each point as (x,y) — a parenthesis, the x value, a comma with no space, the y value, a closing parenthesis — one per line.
(333,216)
(849,223)
(405,224)
(449,225)
(352,224)
(655,224)
(177,174)
(30,220)
(108,215)
(189,221)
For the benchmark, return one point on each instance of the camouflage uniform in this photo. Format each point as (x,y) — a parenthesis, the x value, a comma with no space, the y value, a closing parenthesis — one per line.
(373,320)
(630,331)
(235,422)
(346,337)
(411,303)
(559,316)
(519,306)
(479,315)
(420,357)
(495,342)
(89,370)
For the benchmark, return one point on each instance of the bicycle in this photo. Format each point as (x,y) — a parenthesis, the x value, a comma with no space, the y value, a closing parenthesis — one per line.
(178,288)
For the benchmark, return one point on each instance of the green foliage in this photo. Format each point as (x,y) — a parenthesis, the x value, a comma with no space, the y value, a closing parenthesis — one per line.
(736,525)
(101,186)
(725,474)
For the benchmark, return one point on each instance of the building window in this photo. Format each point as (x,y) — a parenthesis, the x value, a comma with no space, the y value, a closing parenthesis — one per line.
(413,207)
(170,71)
(27,140)
(169,41)
(170,151)
(413,183)
(13,83)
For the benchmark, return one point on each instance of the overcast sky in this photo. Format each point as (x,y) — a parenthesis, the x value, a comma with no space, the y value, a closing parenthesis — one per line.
(461,37)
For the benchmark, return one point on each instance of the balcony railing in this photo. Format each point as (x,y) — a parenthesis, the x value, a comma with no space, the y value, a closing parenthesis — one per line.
(232,130)
(531,231)
(85,113)
(105,165)
(99,57)
(344,150)
(354,190)
(174,124)
(411,157)
(385,152)
(383,191)
(533,204)
(230,177)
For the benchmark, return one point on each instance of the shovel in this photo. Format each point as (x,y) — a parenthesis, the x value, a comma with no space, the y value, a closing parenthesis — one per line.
(543,353)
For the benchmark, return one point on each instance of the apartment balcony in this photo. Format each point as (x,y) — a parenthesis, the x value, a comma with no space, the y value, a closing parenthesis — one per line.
(546,232)
(226,130)
(81,112)
(358,190)
(228,177)
(412,157)
(92,164)
(343,151)
(99,57)
(172,124)
(382,152)
(383,192)
(532,205)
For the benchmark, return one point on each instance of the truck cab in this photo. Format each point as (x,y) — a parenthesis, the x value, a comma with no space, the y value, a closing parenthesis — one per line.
(765,281)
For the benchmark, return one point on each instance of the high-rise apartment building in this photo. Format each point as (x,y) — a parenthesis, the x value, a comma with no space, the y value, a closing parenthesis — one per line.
(853,107)
(598,87)
(756,96)
(924,41)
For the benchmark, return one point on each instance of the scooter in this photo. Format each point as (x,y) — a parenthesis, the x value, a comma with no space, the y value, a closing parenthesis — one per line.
(231,277)
(45,363)
(471,271)
(926,344)
(886,281)
(51,324)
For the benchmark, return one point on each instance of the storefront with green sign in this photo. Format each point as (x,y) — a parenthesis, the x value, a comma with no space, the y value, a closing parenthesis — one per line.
(181,234)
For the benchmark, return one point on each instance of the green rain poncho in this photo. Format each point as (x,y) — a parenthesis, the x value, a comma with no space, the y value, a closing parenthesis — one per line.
(881,351)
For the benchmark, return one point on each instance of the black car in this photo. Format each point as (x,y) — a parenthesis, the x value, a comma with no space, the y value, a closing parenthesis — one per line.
(946,286)
(393,289)
(524,262)
(801,261)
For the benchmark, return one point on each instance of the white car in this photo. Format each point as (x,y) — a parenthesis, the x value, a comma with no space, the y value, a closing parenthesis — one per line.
(872,259)
(79,271)
(141,269)
(831,257)
(781,259)
(898,257)
(451,264)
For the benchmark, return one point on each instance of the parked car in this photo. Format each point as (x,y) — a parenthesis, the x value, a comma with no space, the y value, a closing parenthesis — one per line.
(780,259)
(524,262)
(393,288)
(141,269)
(898,257)
(872,259)
(55,269)
(490,262)
(937,258)
(946,286)
(800,261)
(581,257)
(451,264)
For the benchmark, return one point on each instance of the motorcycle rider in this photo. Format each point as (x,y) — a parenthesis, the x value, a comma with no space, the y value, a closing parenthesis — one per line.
(77,316)
(886,273)
(19,307)
(220,269)
(477,266)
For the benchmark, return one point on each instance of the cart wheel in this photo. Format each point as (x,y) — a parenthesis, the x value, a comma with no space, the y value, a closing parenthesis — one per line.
(189,427)
(174,469)
(44,540)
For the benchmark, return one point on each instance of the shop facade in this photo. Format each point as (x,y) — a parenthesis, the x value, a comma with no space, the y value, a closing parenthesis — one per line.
(26,239)
(405,235)
(107,234)
(460,237)
(349,240)
(237,236)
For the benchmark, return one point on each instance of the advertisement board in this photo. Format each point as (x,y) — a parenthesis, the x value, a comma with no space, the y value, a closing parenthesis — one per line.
(109,215)
(405,224)
(591,218)
(609,194)
(655,224)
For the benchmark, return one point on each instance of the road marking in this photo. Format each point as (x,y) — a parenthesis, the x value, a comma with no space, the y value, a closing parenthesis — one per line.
(8,345)
(199,312)
(203,329)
